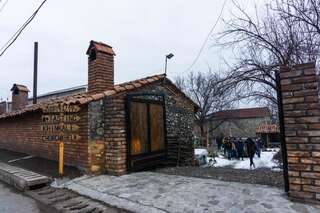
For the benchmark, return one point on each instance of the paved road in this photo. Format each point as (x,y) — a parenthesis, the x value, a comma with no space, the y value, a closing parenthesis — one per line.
(13,201)
(147,192)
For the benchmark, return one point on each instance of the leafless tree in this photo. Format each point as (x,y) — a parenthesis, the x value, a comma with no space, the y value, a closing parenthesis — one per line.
(261,44)
(301,11)
(208,90)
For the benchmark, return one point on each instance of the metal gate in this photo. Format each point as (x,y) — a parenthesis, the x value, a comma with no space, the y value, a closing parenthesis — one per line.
(146,131)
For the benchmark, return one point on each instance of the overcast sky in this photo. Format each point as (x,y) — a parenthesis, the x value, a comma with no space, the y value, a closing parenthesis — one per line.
(141,33)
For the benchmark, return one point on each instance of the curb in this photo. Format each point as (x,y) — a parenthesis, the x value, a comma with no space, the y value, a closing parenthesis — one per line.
(21,179)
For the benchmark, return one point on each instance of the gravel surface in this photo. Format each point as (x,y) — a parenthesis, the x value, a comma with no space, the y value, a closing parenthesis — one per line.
(261,176)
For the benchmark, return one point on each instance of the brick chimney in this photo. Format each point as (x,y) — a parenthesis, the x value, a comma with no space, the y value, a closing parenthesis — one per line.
(100,67)
(19,96)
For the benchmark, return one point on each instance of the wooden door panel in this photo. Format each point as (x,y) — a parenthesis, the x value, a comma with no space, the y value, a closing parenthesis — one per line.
(157,127)
(139,128)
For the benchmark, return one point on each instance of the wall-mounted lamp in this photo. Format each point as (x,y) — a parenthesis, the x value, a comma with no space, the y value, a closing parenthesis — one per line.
(169,56)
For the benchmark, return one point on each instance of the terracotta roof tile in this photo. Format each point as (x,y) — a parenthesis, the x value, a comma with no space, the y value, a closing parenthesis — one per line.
(97,96)
(86,98)
(82,100)
(137,85)
(129,86)
(150,80)
(101,47)
(109,92)
(20,87)
(257,112)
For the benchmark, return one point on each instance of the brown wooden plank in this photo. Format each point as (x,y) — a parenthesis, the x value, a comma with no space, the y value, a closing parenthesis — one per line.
(157,127)
(139,128)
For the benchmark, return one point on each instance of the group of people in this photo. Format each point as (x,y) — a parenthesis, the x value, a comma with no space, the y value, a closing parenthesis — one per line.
(237,148)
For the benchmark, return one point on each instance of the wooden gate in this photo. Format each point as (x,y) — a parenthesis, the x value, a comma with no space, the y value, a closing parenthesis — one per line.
(146,131)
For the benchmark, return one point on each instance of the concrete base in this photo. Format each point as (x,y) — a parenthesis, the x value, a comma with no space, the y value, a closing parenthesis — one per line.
(20,178)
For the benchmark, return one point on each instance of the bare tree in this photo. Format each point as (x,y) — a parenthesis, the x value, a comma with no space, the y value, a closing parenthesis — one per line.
(209,92)
(262,43)
(302,11)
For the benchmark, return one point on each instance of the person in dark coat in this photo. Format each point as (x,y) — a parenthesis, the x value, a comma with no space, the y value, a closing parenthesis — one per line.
(219,142)
(228,147)
(239,147)
(259,147)
(251,149)
(233,149)
(224,145)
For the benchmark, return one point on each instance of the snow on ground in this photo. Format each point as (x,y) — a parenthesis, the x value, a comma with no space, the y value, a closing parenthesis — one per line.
(201,152)
(265,161)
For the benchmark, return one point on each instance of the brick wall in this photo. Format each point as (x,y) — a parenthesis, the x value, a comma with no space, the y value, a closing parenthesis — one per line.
(115,136)
(101,73)
(19,100)
(299,86)
(23,134)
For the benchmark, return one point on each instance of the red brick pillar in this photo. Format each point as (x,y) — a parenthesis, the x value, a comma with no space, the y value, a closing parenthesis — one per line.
(299,87)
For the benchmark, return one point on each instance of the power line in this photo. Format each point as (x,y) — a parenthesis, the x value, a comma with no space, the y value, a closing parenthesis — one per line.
(4,4)
(208,36)
(15,36)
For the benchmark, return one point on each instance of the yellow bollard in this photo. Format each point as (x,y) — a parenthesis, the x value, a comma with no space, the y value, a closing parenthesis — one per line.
(61,153)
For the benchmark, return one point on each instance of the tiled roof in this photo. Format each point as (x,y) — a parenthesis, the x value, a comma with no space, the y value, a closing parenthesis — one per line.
(20,87)
(257,112)
(85,98)
(101,47)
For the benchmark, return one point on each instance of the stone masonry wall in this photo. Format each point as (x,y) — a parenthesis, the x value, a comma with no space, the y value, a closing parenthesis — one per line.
(300,87)
(96,145)
(179,123)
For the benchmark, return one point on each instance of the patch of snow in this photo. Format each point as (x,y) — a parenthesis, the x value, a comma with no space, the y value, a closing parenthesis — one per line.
(200,152)
(276,169)
(265,161)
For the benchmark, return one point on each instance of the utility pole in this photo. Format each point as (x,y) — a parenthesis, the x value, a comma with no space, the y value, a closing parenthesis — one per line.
(35,73)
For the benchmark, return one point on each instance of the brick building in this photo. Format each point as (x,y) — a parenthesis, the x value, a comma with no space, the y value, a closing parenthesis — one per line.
(110,128)
(237,122)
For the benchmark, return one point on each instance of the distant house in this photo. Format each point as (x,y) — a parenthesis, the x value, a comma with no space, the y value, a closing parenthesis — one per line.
(237,122)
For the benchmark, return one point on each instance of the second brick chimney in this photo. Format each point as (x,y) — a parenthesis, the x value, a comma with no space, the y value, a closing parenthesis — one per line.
(101,67)
(19,96)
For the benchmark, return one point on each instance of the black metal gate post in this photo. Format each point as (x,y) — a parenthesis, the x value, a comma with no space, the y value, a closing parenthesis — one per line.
(282,132)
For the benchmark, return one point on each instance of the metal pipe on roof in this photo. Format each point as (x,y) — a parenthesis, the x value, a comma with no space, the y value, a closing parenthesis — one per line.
(35,72)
